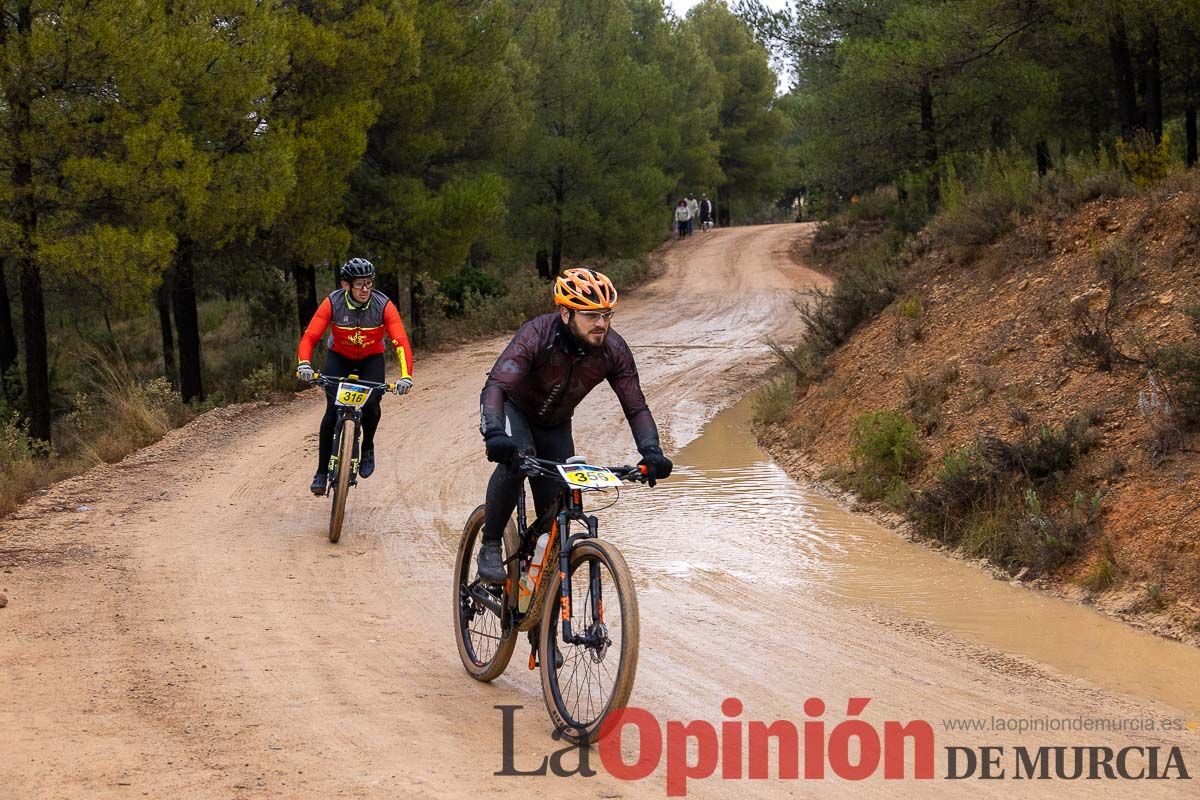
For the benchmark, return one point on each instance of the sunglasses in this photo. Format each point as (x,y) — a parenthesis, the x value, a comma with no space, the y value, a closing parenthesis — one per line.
(596,316)
(368,284)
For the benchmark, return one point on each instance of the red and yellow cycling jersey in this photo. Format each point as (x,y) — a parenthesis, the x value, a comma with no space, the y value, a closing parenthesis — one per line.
(358,331)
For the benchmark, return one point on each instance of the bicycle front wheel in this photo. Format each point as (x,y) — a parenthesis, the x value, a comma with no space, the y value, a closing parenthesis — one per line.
(341,484)
(585,681)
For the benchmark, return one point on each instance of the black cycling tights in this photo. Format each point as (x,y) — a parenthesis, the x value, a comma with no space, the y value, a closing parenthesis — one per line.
(553,443)
(338,366)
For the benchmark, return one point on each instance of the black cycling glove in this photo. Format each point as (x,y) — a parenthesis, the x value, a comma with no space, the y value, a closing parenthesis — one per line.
(501,448)
(657,465)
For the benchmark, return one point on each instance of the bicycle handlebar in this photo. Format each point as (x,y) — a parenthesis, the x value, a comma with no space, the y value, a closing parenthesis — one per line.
(532,465)
(331,380)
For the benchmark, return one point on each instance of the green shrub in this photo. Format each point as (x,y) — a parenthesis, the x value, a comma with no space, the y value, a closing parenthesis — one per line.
(23,461)
(773,402)
(859,294)
(1104,573)
(988,497)
(884,443)
(910,314)
(980,219)
(830,232)
(262,382)
(470,285)
(1146,161)
(802,360)
(252,368)
(1179,367)
(17,447)
(876,205)
(910,308)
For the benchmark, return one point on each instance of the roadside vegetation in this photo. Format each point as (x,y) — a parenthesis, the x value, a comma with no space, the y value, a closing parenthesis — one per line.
(1010,353)
(173,212)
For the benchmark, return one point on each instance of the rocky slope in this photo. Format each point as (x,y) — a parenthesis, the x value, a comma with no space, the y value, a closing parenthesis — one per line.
(998,328)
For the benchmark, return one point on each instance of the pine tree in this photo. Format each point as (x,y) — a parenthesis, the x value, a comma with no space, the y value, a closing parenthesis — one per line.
(225,58)
(429,184)
(590,175)
(749,130)
(83,153)
(341,54)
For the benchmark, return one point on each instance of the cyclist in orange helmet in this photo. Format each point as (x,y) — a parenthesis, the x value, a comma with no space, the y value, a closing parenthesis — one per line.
(550,365)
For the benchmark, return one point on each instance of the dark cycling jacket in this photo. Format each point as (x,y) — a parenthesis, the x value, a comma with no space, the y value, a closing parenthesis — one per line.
(546,373)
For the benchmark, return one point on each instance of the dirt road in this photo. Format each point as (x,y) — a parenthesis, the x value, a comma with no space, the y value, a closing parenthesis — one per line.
(178,626)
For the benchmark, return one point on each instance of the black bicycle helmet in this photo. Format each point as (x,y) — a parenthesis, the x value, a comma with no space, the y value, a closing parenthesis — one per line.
(357,268)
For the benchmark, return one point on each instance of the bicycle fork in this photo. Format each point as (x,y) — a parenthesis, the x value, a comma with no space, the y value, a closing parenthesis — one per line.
(336,449)
(589,637)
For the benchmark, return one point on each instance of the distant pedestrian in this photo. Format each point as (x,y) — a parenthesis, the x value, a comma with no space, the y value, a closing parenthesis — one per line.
(693,213)
(682,218)
(706,213)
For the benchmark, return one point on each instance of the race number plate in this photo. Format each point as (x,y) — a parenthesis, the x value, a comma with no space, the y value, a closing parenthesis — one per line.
(585,476)
(351,394)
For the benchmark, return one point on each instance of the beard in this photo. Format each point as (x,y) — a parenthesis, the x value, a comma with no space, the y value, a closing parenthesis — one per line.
(586,335)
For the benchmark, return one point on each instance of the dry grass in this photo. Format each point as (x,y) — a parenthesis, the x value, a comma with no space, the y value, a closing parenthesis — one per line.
(111,417)
(773,403)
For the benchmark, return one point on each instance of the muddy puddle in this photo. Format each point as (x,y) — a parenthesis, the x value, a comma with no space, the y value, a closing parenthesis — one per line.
(733,515)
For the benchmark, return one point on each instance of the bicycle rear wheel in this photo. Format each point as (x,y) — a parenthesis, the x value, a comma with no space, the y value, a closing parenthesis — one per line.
(484,645)
(596,677)
(341,483)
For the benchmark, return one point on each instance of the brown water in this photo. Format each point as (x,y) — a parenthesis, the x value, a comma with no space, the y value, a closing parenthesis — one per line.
(740,518)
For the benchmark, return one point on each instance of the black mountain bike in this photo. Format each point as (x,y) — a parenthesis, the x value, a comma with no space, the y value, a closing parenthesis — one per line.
(352,394)
(594,635)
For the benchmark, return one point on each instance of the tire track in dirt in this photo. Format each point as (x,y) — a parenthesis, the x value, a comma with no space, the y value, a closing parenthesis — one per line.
(211,643)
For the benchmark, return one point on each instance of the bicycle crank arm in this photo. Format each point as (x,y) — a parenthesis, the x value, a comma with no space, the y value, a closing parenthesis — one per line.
(485,598)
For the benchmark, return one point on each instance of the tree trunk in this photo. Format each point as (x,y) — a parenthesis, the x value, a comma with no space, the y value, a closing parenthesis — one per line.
(542,260)
(1043,158)
(929,143)
(306,293)
(162,299)
(556,246)
(1190,129)
(1123,77)
(389,284)
(1154,102)
(187,323)
(33,310)
(37,361)
(999,133)
(415,301)
(8,339)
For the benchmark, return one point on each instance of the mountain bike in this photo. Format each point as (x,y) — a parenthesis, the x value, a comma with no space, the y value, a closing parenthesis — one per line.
(352,394)
(593,640)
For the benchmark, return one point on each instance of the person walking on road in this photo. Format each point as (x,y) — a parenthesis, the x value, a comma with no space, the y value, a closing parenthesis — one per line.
(693,212)
(682,218)
(706,215)
(360,321)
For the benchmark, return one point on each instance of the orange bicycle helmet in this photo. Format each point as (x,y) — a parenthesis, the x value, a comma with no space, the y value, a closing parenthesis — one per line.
(584,289)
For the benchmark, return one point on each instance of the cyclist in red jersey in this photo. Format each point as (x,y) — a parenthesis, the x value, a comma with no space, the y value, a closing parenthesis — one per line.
(361,321)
